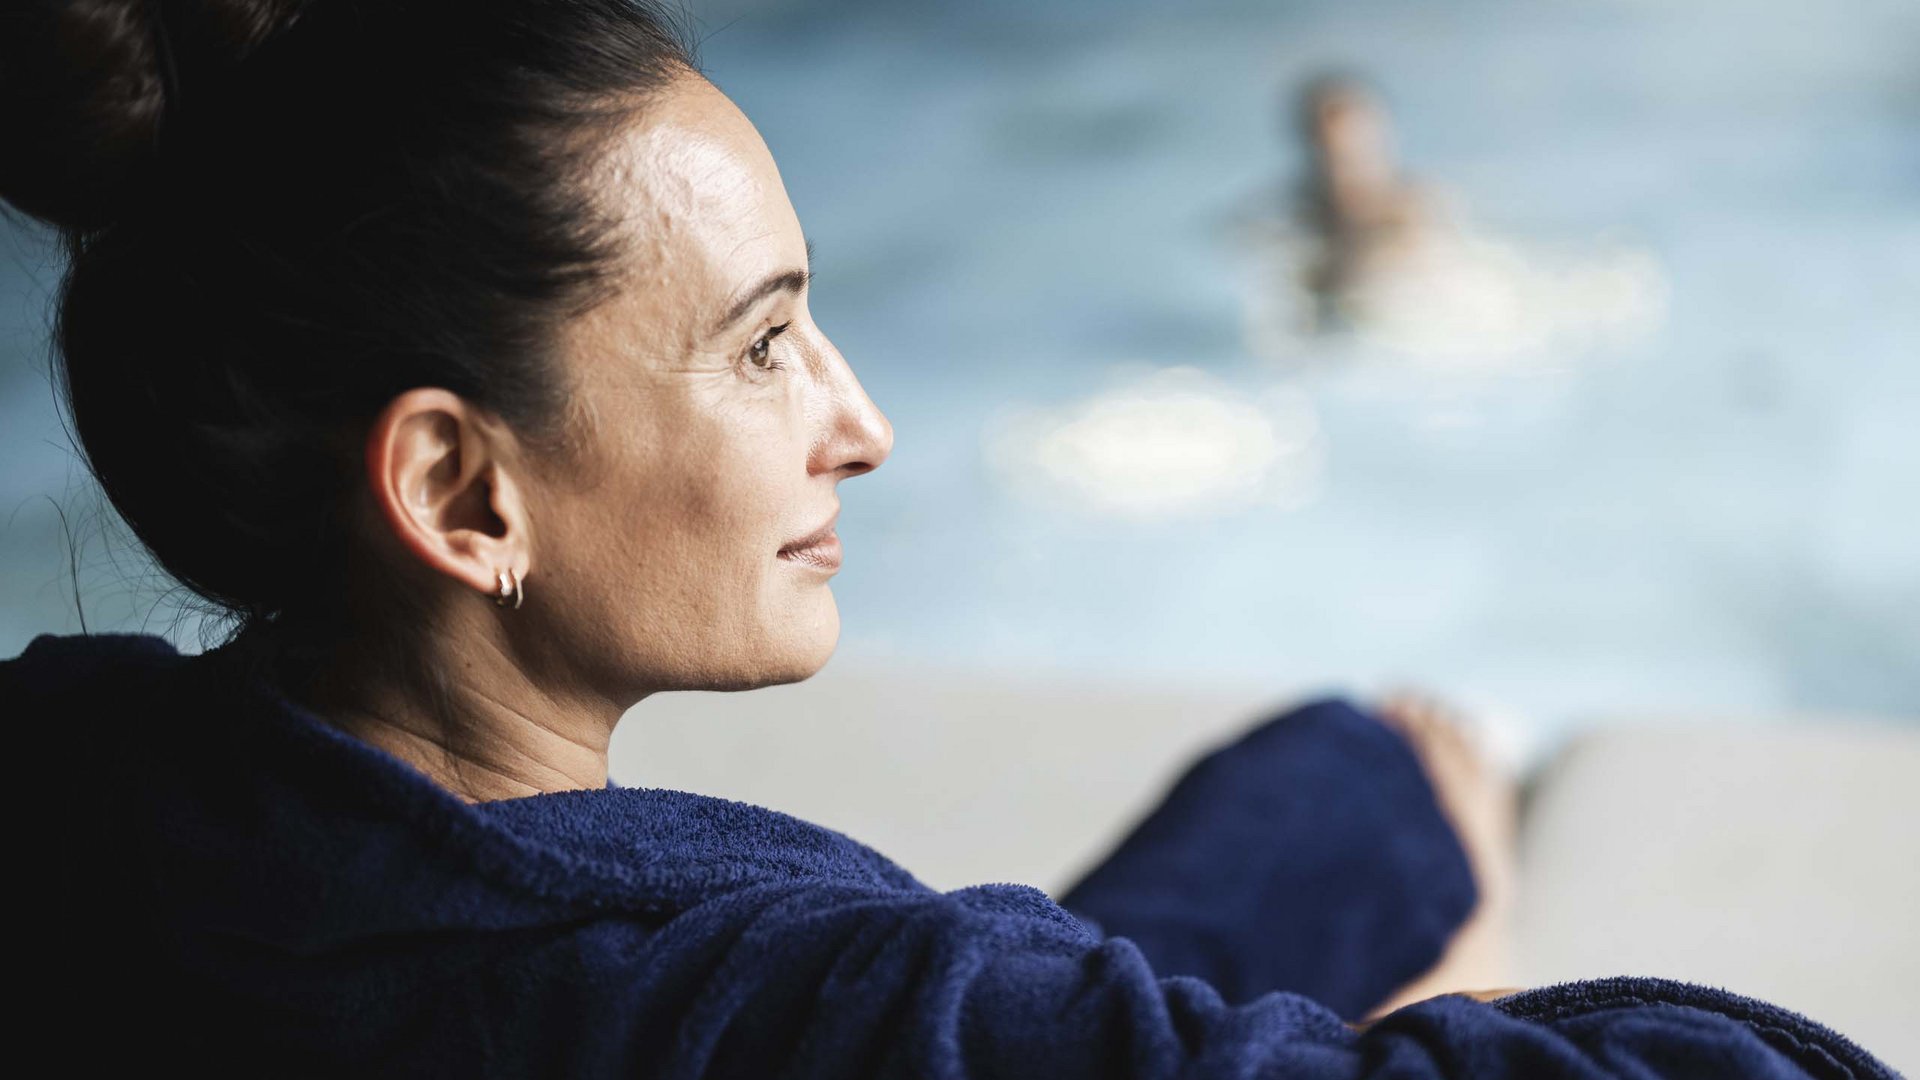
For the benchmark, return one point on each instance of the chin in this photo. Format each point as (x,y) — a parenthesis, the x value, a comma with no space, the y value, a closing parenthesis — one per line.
(807,649)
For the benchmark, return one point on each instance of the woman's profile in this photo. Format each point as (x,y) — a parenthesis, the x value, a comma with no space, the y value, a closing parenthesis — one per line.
(461,354)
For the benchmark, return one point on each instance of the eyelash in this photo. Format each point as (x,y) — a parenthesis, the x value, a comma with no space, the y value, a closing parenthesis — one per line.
(766,340)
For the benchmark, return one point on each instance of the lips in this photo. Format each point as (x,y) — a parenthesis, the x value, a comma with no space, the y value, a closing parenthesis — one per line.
(824,555)
(819,548)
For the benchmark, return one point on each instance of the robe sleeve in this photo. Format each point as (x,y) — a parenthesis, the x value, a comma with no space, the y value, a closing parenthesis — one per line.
(1309,855)
(996,982)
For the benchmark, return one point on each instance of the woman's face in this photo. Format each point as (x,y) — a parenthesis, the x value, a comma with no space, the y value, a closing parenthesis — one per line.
(721,423)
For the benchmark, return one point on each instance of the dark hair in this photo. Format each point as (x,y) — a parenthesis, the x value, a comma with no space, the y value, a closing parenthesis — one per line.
(280,214)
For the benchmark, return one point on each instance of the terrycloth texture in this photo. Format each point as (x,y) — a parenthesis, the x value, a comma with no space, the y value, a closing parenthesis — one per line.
(239,886)
(1308,855)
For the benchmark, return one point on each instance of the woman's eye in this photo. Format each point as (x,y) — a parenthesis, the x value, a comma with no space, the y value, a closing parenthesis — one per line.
(759,355)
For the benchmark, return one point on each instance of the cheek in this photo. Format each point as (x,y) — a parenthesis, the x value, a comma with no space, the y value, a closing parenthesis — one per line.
(673,577)
(712,493)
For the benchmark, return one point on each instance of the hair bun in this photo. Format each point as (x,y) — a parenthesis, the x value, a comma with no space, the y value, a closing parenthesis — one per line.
(85,91)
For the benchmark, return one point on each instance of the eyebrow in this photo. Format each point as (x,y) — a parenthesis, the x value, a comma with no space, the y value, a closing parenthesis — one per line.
(779,281)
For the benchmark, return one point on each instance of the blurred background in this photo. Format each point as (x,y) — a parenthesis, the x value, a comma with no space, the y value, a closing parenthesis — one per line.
(1561,358)
(1659,452)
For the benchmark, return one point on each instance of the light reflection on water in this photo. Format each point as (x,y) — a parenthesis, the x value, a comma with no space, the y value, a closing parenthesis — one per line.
(1167,444)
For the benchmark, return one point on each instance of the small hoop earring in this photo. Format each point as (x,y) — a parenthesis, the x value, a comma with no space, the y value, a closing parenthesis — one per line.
(516,591)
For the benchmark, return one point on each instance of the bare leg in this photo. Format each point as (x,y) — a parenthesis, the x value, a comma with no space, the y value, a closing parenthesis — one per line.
(1478,799)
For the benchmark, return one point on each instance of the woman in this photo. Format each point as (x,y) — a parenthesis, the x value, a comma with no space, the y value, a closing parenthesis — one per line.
(461,352)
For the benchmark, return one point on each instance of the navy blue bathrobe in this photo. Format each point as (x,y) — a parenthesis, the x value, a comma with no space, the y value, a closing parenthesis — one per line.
(230,884)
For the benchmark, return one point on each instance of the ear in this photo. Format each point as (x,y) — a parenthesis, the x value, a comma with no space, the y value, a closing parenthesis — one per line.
(438,472)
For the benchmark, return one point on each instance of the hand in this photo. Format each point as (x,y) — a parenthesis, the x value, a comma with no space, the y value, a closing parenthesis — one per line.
(1477,995)
(1479,801)
(1490,995)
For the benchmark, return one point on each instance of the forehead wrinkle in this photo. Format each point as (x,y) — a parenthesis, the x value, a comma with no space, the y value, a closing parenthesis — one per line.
(659,265)
(688,187)
(682,190)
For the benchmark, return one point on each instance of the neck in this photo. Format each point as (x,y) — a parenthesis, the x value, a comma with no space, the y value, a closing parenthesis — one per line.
(505,756)
(487,732)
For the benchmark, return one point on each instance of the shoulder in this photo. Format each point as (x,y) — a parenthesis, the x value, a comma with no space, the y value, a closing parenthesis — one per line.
(49,655)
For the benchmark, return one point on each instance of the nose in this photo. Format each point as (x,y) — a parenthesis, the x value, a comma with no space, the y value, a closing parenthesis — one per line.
(857,436)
